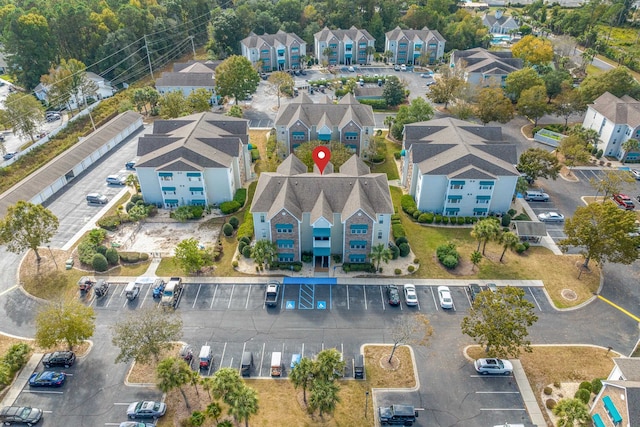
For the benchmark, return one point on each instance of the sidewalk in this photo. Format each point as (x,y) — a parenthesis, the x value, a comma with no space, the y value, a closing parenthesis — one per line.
(526,392)
(16,387)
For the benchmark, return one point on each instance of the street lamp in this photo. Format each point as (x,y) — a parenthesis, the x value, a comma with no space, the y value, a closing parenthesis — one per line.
(366,403)
(52,257)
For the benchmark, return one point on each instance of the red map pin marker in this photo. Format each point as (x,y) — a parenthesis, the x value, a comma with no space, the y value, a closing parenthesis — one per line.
(321,157)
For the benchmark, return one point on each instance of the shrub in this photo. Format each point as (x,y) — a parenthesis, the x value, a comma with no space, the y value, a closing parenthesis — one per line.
(548,390)
(437,219)
(448,255)
(599,153)
(583,394)
(112,256)
(416,260)
(395,217)
(197,211)
(422,219)
(143,256)
(307,256)
(450,261)
(586,385)
(395,251)
(397,155)
(407,202)
(359,266)
(136,198)
(550,404)
(416,215)
(16,356)
(110,223)
(506,220)
(240,196)
(468,220)
(245,239)
(234,222)
(227,229)
(255,155)
(411,269)
(520,248)
(101,249)
(129,257)
(246,251)
(398,231)
(246,228)
(401,240)
(376,104)
(99,262)
(404,249)
(527,245)
(337,258)
(596,385)
(556,384)
(512,212)
(397,271)
(229,207)
(241,246)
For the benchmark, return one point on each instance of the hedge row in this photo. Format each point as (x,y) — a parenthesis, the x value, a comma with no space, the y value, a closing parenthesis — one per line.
(133,257)
(295,266)
(359,266)
(12,361)
(376,104)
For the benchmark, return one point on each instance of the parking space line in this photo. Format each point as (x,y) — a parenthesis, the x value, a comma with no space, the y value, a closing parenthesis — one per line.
(302,353)
(382,297)
(214,296)
(43,391)
(491,376)
(281,298)
(231,296)
(364,290)
(244,347)
(534,298)
(434,298)
(195,300)
(348,308)
(224,349)
(502,409)
(497,392)
(330,299)
(109,302)
(262,358)
(246,305)
(145,296)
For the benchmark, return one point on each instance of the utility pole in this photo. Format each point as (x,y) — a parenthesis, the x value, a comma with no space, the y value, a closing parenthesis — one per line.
(193,48)
(146,47)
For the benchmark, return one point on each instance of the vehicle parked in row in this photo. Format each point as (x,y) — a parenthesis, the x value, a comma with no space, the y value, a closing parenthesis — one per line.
(116,180)
(410,296)
(492,287)
(146,409)
(635,173)
(131,165)
(135,424)
(59,358)
(536,196)
(172,292)
(393,296)
(97,199)
(624,201)
(551,217)
(47,379)
(271,294)
(397,415)
(474,289)
(10,415)
(444,296)
(9,156)
(493,366)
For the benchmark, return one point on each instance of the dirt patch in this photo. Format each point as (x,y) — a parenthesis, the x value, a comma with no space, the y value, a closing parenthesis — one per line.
(377,367)
(145,373)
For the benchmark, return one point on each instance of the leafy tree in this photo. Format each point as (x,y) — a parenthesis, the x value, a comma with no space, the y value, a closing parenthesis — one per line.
(79,85)
(199,100)
(393,91)
(485,230)
(302,375)
(448,86)
(58,83)
(554,82)
(522,185)
(418,111)
(225,383)
(414,329)
(226,32)
(465,30)
(533,103)
(174,373)
(143,334)
(24,113)
(509,240)
(328,365)
(243,404)
(380,253)
(173,104)
(574,150)
(521,80)
(236,77)
(235,111)
(324,396)
(190,257)
(568,102)
(27,226)
(264,252)
(67,321)
(499,321)
(539,163)
(629,146)
(572,412)
(533,50)
(281,83)
(339,153)
(493,106)
(476,257)
(617,81)
(601,232)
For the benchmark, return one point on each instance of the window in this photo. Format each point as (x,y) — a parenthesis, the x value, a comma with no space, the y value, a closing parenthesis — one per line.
(359,228)
(379,235)
(194,176)
(358,244)
(357,258)
(451,211)
(456,185)
(486,185)
(298,136)
(284,244)
(454,199)
(350,136)
(284,228)
(166,176)
(169,191)
(261,217)
(479,212)
(381,219)
(285,257)
(196,191)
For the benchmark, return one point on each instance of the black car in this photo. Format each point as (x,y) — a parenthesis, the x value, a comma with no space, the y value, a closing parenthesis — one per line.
(474,290)
(393,295)
(59,358)
(10,415)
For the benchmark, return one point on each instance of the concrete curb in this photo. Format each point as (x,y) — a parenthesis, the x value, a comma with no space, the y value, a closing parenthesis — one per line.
(23,376)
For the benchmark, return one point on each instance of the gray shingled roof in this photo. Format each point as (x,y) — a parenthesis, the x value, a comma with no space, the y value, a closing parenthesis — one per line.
(281,37)
(630,367)
(318,114)
(625,110)
(195,142)
(415,35)
(460,149)
(206,80)
(352,33)
(342,193)
(530,228)
(492,20)
(211,65)
(480,60)
(355,167)
(31,186)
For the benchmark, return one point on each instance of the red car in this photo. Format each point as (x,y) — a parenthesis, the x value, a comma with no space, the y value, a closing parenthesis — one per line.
(624,201)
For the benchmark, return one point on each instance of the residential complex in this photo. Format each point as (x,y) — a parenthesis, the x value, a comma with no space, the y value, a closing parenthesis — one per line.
(414,46)
(348,47)
(482,67)
(188,77)
(499,23)
(618,402)
(458,168)
(303,120)
(201,159)
(274,52)
(95,87)
(344,213)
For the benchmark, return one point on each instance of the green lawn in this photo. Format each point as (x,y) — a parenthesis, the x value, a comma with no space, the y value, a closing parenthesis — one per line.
(389,165)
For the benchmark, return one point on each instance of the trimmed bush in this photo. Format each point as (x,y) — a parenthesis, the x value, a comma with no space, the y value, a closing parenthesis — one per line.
(548,390)
(246,228)
(404,249)
(401,240)
(468,220)
(246,252)
(234,264)
(437,219)
(397,155)
(556,384)
(596,385)
(408,204)
(411,269)
(398,231)
(240,196)
(397,271)
(527,245)
(583,394)
(245,239)
(129,257)
(241,246)
(136,198)
(416,215)
(376,104)
(227,229)
(520,248)
(144,256)
(416,260)
(460,220)
(99,262)
(102,249)
(110,223)
(112,256)
(367,267)
(450,261)
(235,222)
(229,207)
(550,404)
(395,217)
(512,212)
(586,385)
(506,220)
(448,255)
(395,251)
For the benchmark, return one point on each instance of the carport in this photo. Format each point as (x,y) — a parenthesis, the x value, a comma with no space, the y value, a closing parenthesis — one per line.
(529,231)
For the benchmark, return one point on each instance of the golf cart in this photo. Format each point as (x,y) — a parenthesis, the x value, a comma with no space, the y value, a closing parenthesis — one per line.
(158,288)
(206,357)
(186,353)
(132,290)
(101,288)
(85,284)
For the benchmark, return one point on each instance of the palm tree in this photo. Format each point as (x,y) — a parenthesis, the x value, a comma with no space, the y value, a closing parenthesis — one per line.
(485,230)
(509,241)
(370,50)
(197,418)
(243,404)
(226,382)
(132,181)
(380,253)
(628,146)
(207,384)
(387,55)
(324,396)
(214,410)
(389,121)
(172,373)
(571,412)
(476,257)
(329,365)
(302,375)
(327,52)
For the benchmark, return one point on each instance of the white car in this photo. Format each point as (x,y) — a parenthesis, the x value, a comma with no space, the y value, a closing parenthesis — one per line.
(410,296)
(551,217)
(403,67)
(635,173)
(444,295)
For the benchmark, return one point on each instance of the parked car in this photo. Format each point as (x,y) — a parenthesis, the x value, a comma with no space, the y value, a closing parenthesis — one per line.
(393,296)
(624,201)
(444,296)
(10,415)
(131,165)
(492,287)
(536,196)
(97,199)
(135,424)
(396,67)
(59,358)
(474,290)
(403,67)
(551,217)
(427,75)
(493,366)
(410,296)
(116,180)
(635,173)
(53,117)
(47,379)
(9,156)
(146,409)
(351,70)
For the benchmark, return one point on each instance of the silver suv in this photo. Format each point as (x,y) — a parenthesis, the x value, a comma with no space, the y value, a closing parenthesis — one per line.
(536,196)
(97,199)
